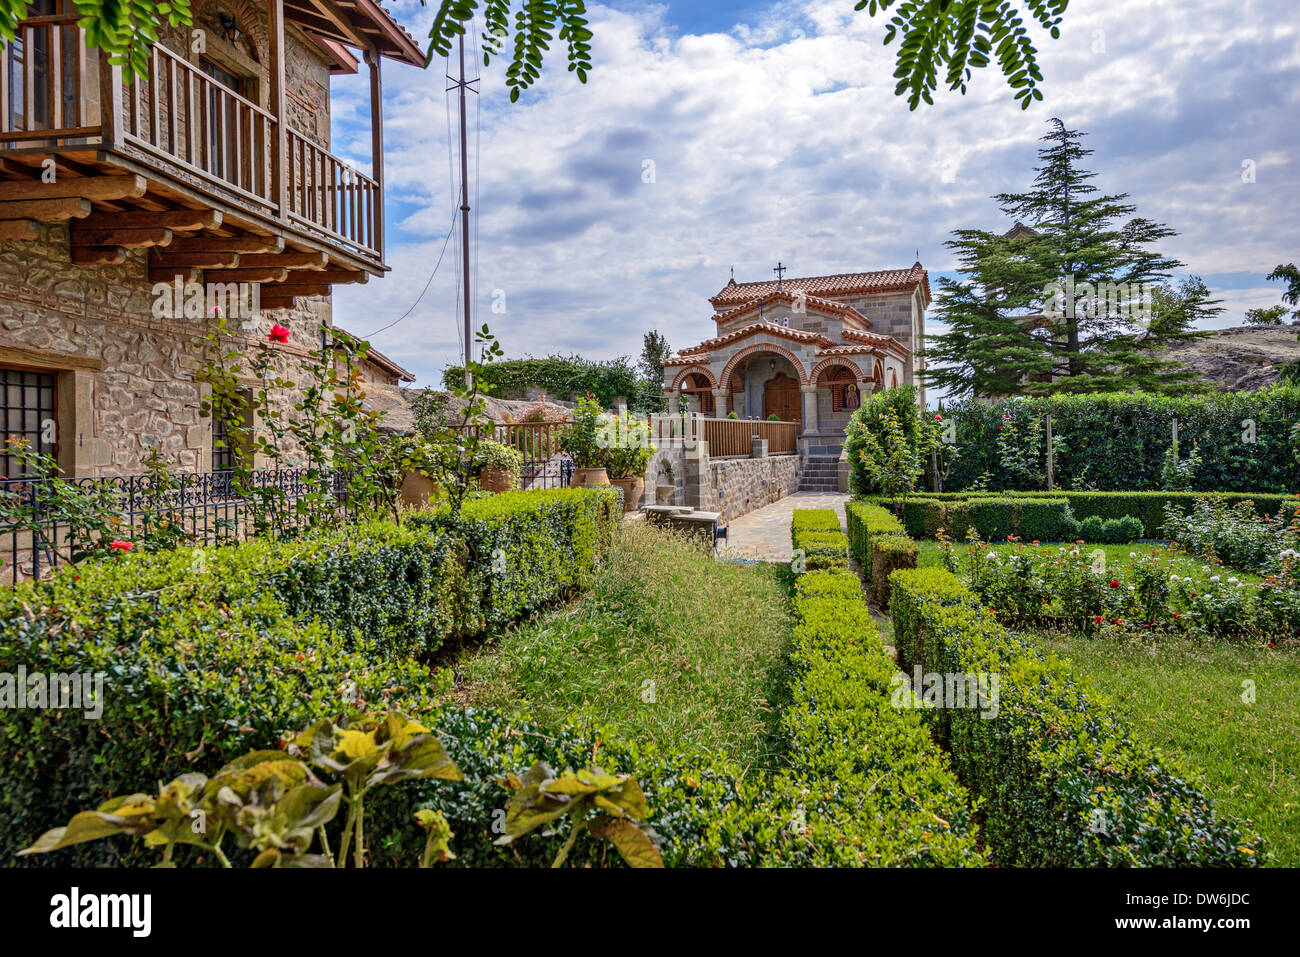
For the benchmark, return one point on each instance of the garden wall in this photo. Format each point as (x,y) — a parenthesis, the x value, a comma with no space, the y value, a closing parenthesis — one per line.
(732,486)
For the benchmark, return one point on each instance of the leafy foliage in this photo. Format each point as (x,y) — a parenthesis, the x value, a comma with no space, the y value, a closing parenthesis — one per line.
(965,35)
(563,376)
(888,439)
(1075,301)
(1063,782)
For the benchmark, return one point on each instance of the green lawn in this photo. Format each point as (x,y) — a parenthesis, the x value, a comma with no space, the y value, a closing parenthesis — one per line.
(670,645)
(1185,698)
(1117,557)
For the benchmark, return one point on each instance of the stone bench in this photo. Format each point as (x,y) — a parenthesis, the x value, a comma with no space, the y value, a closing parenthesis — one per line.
(686,519)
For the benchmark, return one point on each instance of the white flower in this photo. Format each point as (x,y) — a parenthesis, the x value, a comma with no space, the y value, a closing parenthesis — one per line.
(1232,581)
(1132,554)
(1214,578)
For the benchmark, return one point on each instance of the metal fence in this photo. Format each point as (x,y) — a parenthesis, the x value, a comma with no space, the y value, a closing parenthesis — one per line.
(199,508)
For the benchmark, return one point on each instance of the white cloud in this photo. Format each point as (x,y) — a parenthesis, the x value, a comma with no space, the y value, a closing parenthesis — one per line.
(769,144)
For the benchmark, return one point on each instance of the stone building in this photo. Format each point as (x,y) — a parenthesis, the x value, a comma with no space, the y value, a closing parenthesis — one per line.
(805,350)
(130,211)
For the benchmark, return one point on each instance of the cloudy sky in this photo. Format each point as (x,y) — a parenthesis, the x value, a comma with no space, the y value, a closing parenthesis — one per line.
(772,133)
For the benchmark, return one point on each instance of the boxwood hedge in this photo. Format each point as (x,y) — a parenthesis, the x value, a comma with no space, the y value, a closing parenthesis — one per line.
(1062,781)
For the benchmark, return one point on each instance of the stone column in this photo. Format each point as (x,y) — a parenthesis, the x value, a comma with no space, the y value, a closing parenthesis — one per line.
(810,425)
(720,403)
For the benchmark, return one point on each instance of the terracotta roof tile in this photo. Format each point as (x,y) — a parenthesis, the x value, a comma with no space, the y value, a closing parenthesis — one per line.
(771,329)
(841,284)
(696,358)
(816,302)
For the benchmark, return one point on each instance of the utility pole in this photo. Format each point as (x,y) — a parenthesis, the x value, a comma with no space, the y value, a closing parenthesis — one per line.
(462,84)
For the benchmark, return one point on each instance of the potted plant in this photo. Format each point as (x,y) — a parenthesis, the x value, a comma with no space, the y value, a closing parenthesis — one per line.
(499,466)
(627,453)
(581,443)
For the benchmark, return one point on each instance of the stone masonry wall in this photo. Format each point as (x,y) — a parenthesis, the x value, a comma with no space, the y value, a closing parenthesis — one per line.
(126,378)
(739,486)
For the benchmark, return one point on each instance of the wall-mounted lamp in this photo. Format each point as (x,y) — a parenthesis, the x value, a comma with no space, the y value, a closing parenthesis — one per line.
(229,27)
(771,365)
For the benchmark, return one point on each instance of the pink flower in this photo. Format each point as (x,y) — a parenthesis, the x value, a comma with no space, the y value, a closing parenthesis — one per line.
(278,333)
(120,545)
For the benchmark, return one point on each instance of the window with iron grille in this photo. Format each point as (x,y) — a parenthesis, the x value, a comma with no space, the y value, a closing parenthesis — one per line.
(27,412)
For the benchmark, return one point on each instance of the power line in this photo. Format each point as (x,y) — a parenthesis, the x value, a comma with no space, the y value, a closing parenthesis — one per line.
(428,283)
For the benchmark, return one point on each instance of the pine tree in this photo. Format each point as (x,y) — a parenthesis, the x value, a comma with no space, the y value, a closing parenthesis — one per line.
(1078,301)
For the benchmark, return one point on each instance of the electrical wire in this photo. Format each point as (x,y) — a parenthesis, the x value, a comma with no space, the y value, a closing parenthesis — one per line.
(427,283)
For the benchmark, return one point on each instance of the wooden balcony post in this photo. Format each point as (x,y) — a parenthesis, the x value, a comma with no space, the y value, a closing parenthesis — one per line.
(377,147)
(280,157)
(110,102)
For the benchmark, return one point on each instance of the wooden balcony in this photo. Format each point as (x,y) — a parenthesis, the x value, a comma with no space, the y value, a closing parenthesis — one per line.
(181,164)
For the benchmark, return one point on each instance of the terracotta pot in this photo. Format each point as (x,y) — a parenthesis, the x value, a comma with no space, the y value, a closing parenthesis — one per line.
(584,478)
(633,489)
(417,489)
(496,480)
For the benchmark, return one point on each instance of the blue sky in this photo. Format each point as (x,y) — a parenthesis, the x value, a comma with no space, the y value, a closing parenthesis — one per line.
(773,133)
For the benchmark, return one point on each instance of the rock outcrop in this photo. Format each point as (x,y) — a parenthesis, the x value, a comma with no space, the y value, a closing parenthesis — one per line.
(1240,359)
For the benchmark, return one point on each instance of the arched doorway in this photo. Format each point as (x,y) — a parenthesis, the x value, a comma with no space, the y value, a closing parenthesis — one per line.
(781,397)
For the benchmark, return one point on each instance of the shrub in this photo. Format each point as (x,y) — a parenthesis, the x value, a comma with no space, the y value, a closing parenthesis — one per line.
(1032,519)
(866,520)
(1093,528)
(887,441)
(264,638)
(814,519)
(868,768)
(1063,782)
(1236,535)
(1119,440)
(822,549)
(888,554)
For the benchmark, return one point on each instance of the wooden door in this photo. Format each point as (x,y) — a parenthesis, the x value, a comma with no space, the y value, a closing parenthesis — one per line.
(781,397)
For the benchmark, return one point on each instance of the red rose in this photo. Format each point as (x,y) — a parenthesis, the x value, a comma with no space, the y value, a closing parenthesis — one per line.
(278,333)
(1114,583)
(121,545)
(1097,619)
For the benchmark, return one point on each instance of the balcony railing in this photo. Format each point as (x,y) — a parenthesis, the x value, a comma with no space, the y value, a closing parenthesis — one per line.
(53,95)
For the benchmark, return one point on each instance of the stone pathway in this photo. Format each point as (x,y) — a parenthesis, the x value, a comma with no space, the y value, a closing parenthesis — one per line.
(764,534)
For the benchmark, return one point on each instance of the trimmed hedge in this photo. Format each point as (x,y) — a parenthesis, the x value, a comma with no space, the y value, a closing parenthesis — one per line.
(927,511)
(880,545)
(888,554)
(1032,519)
(267,638)
(1062,781)
(896,801)
(1118,440)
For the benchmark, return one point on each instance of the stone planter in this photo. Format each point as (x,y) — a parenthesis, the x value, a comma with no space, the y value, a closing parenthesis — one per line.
(633,489)
(584,478)
(496,480)
(417,488)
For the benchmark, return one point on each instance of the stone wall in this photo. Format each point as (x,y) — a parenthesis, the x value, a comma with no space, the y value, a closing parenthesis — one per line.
(739,486)
(125,378)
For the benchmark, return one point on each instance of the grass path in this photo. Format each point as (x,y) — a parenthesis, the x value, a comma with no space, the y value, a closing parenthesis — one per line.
(669,645)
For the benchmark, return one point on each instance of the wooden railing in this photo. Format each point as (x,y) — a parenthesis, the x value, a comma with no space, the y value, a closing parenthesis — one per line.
(53,94)
(330,196)
(538,441)
(184,115)
(43,84)
(735,436)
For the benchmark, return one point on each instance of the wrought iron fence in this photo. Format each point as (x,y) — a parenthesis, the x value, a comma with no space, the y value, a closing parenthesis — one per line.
(197,508)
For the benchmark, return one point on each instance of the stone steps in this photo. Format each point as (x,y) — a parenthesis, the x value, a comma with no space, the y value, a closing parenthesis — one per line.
(821,473)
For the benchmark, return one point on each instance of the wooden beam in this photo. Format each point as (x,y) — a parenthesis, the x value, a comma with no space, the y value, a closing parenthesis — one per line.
(93,187)
(336,17)
(275,302)
(308,261)
(275,103)
(227,244)
(18,230)
(248,275)
(127,238)
(377,148)
(174,219)
(282,289)
(98,255)
(216,260)
(47,210)
(333,277)
(169,274)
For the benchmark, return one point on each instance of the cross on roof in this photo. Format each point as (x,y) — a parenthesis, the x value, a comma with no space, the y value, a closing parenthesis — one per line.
(780,274)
